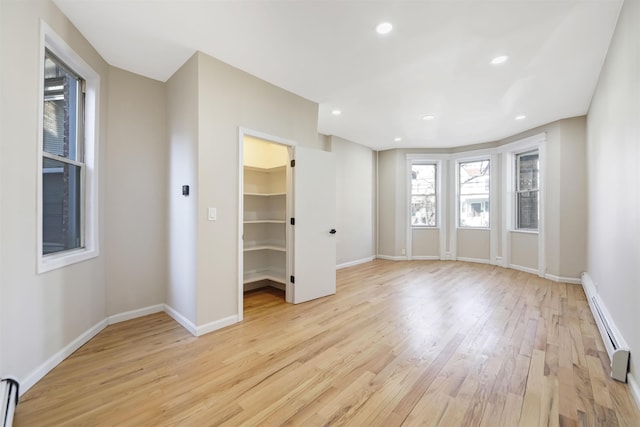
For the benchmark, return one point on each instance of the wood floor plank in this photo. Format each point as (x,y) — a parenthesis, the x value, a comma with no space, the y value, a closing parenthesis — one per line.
(401,343)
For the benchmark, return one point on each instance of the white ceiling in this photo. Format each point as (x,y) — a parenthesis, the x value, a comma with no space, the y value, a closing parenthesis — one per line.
(435,61)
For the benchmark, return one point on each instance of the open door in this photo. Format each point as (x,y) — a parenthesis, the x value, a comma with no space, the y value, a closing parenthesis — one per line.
(314,204)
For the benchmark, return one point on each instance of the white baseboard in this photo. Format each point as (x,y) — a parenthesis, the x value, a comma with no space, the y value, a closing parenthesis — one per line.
(560,279)
(356,262)
(128,315)
(392,258)
(635,389)
(499,261)
(425,258)
(215,325)
(525,269)
(65,352)
(476,260)
(186,323)
(446,257)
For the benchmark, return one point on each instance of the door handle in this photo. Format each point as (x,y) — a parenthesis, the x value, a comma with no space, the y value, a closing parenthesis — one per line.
(333,231)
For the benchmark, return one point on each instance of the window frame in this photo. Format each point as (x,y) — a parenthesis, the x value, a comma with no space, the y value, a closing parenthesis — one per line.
(89,180)
(517,191)
(436,193)
(458,193)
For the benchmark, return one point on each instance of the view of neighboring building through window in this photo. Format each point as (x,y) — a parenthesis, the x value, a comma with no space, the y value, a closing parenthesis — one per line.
(62,158)
(423,195)
(473,193)
(527,190)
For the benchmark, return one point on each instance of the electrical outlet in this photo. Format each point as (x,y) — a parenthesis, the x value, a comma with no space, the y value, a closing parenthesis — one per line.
(403,251)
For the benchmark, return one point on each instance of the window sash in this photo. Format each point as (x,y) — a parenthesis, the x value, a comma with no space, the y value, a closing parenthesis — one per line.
(424,204)
(63,181)
(478,194)
(527,193)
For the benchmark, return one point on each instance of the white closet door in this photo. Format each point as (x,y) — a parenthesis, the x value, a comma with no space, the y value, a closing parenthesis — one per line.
(314,201)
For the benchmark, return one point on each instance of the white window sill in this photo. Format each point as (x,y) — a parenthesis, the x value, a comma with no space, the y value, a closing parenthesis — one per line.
(425,227)
(64,259)
(474,228)
(522,231)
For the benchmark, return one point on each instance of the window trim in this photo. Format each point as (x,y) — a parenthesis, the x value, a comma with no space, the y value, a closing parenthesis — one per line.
(517,191)
(440,160)
(459,161)
(55,44)
(436,191)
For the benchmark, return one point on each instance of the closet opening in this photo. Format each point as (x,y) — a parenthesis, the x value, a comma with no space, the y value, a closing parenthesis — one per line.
(266,206)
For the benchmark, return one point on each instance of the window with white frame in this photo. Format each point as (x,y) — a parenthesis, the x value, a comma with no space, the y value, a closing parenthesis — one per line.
(473,193)
(67,182)
(527,190)
(424,197)
(63,166)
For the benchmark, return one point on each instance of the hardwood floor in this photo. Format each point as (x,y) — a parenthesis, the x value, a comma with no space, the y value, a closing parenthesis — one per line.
(402,343)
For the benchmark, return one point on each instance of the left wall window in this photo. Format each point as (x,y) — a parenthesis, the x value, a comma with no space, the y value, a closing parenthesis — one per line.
(63,167)
(67,183)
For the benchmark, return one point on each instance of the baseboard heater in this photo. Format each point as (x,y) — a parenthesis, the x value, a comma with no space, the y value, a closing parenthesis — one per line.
(9,392)
(616,348)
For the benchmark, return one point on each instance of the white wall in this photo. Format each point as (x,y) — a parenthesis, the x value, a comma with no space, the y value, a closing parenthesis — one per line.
(136,202)
(354,201)
(41,313)
(613,156)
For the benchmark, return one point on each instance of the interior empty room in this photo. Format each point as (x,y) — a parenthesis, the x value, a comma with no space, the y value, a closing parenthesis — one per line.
(320,213)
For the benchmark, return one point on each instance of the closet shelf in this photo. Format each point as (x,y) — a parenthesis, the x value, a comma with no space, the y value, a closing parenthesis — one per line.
(266,170)
(265,194)
(268,274)
(265,247)
(265,221)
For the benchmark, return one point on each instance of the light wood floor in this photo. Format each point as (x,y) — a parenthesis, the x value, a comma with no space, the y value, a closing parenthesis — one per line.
(402,343)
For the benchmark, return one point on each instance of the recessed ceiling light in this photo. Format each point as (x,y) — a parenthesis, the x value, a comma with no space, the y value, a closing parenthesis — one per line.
(428,117)
(397,139)
(499,59)
(384,28)
(521,117)
(336,112)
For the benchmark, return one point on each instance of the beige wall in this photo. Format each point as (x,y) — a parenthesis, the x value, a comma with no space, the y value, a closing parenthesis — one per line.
(524,250)
(388,205)
(613,156)
(473,244)
(182,134)
(354,201)
(41,313)
(565,201)
(136,198)
(227,99)
(425,242)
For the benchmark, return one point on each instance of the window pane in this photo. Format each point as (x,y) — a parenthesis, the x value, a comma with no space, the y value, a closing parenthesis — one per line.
(423,179)
(474,177)
(474,210)
(61,206)
(528,172)
(423,210)
(527,209)
(61,125)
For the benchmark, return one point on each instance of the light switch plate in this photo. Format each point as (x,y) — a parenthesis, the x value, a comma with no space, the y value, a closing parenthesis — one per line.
(212,214)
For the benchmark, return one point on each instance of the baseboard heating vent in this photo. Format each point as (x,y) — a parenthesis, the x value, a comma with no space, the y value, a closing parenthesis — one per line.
(617,350)
(9,392)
